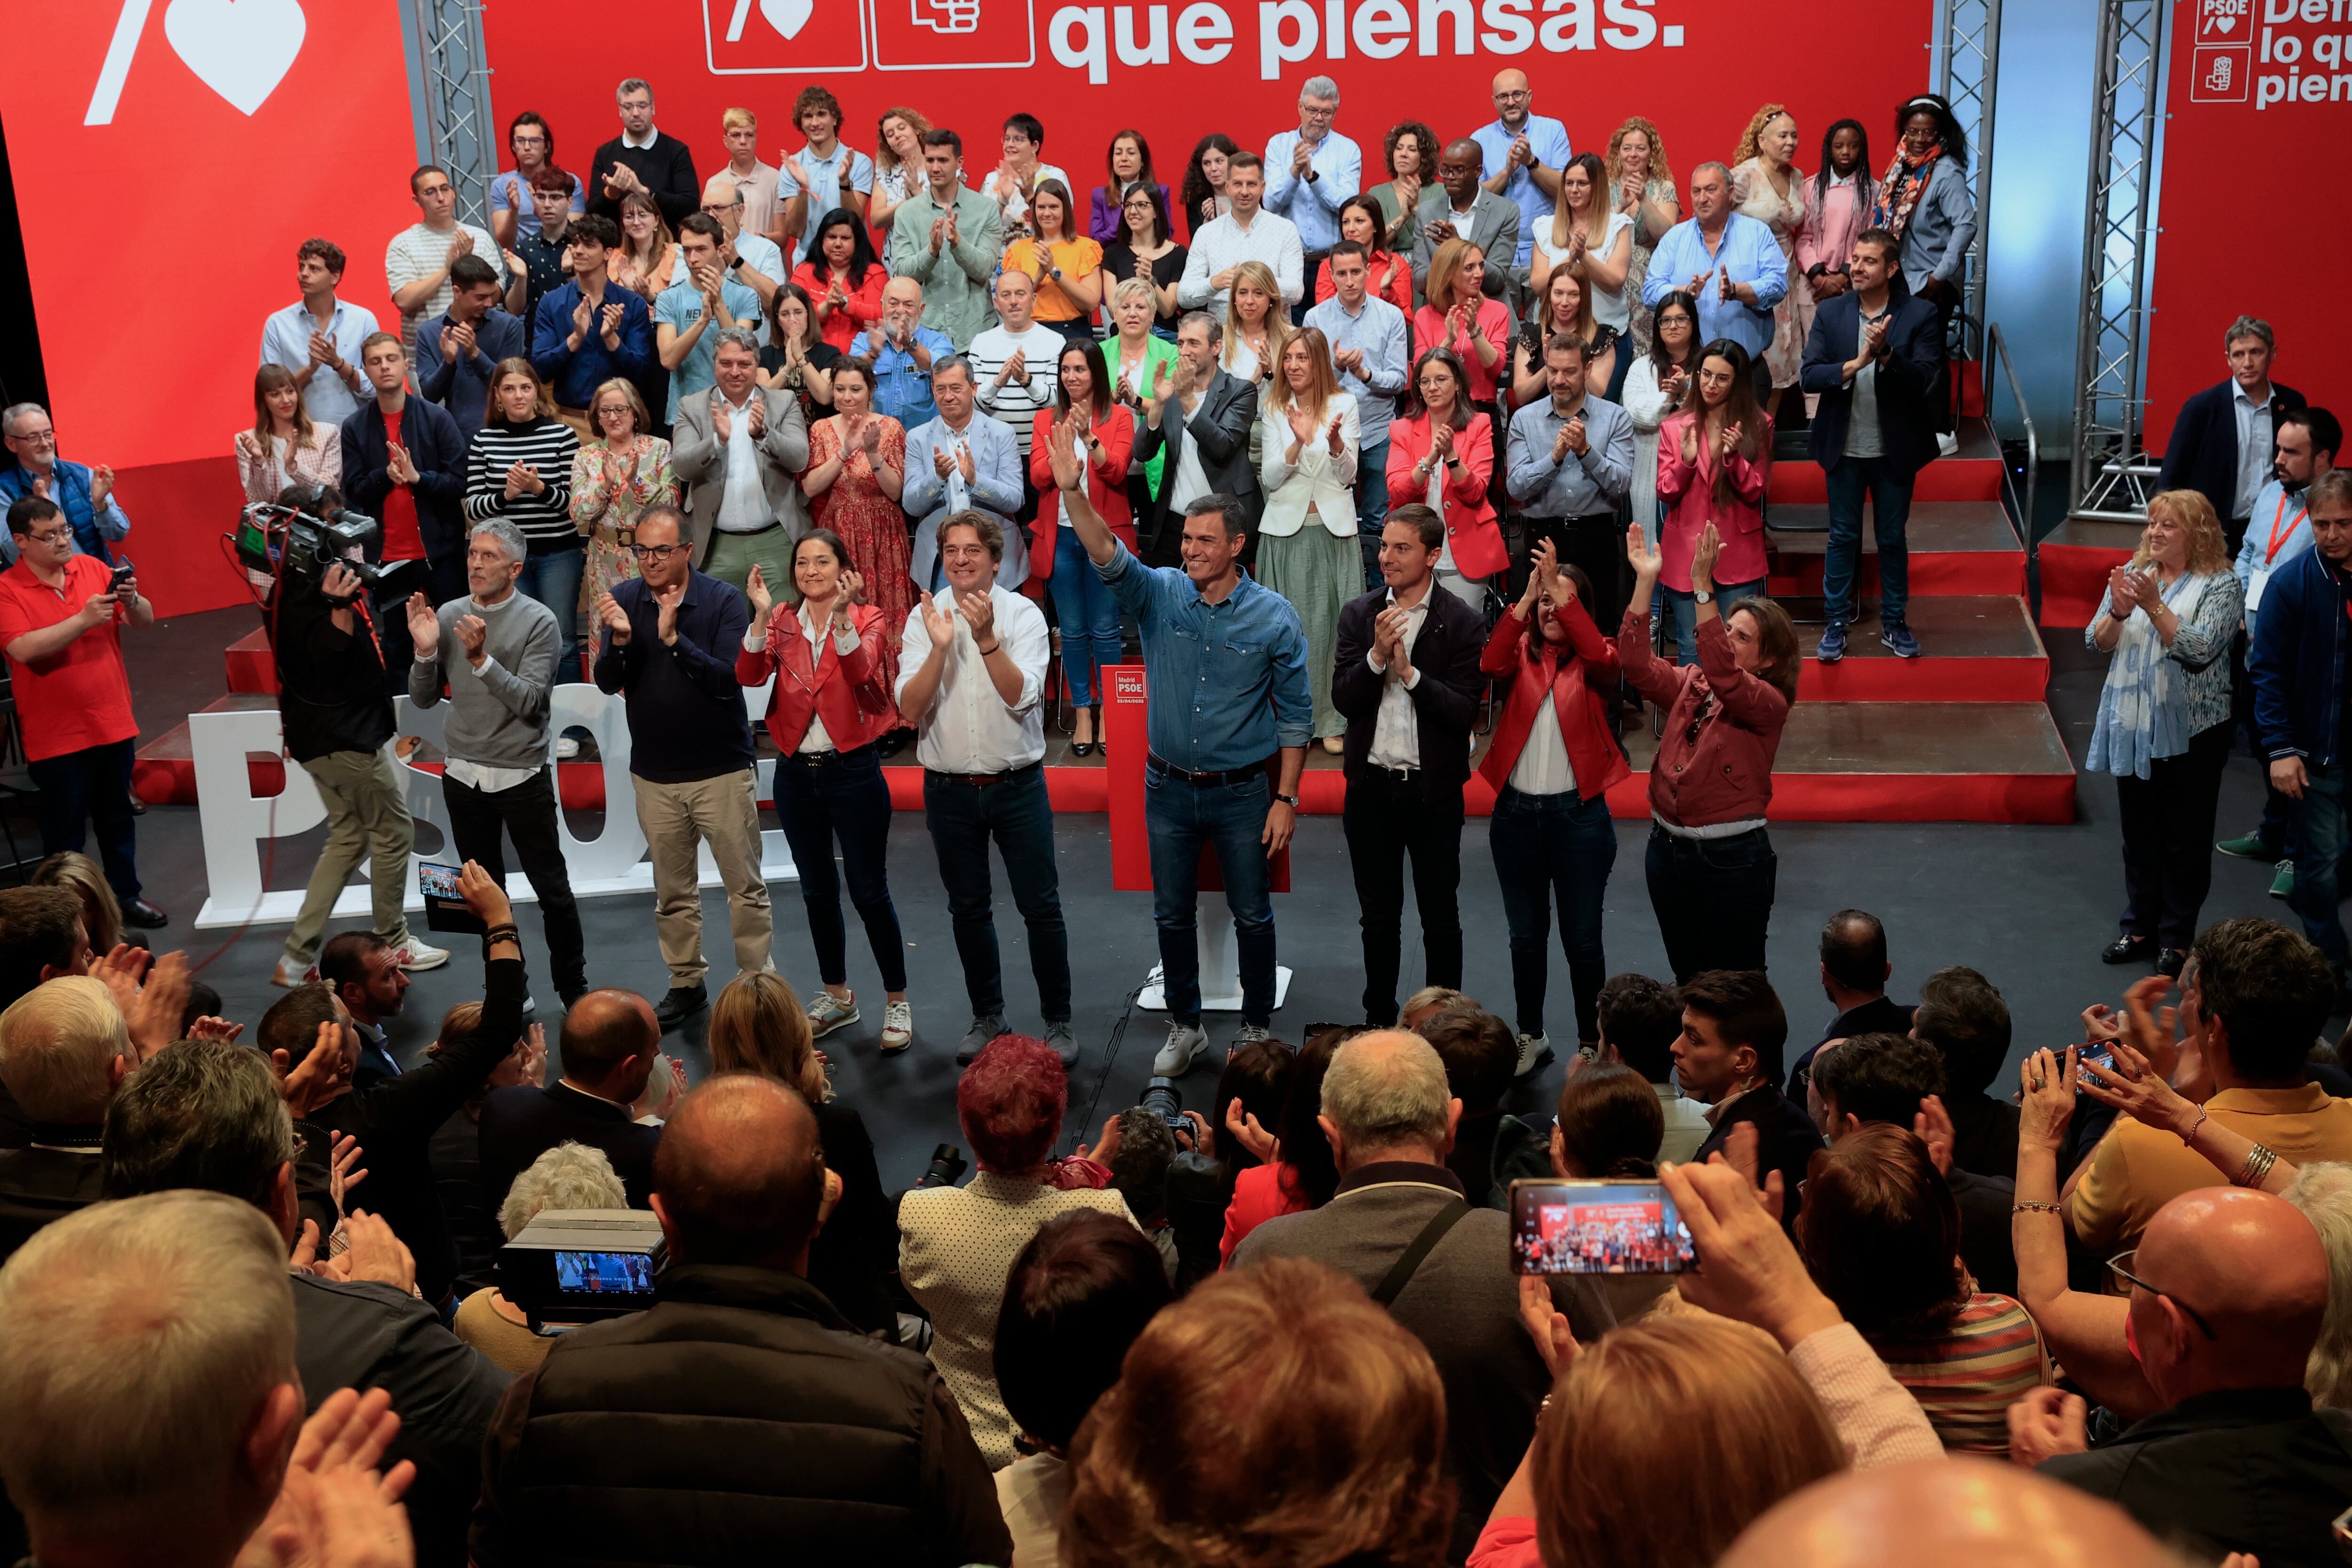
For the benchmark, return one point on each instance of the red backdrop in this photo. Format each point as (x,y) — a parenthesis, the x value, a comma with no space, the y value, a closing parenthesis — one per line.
(169,155)
(2250,74)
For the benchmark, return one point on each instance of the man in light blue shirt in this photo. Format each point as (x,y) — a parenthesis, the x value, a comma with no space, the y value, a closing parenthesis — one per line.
(823,175)
(1570,463)
(904,352)
(318,337)
(1311,172)
(1370,353)
(1730,262)
(961,461)
(1525,154)
(686,311)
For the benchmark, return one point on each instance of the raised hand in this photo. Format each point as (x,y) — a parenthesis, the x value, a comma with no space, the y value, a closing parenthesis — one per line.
(1728,440)
(472,633)
(979,612)
(964,464)
(614,619)
(853,590)
(937,622)
(1333,435)
(870,437)
(759,416)
(485,895)
(1062,456)
(1703,558)
(424,626)
(1302,426)
(666,604)
(1642,555)
(722,423)
(942,462)
(763,602)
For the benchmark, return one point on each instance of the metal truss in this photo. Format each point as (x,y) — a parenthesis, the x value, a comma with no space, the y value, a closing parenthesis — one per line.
(2111,477)
(1967,71)
(446,41)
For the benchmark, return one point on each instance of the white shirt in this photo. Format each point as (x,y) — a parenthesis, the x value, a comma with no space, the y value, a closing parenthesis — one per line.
(743,504)
(286,340)
(1192,479)
(2255,440)
(1608,310)
(970,728)
(845,643)
(1223,242)
(1014,206)
(631,142)
(762,256)
(1396,735)
(1543,766)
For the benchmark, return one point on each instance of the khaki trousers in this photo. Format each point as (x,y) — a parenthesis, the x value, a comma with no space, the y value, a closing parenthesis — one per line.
(367,815)
(724,813)
(731,557)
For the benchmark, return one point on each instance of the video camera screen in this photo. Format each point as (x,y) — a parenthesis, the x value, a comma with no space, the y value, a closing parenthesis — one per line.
(605,1273)
(1597,1227)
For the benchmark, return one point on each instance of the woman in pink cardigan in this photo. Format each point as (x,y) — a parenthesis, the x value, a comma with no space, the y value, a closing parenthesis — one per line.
(1714,459)
(1842,194)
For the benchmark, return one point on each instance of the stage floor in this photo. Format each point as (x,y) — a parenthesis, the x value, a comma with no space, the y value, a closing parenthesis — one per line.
(2029,906)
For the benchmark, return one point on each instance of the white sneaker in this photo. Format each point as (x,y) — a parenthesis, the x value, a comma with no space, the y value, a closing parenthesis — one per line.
(566,748)
(1253,1034)
(1948,444)
(897,1027)
(1535,1055)
(412,955)
(1185,1044)
(289,974)
(829,1013)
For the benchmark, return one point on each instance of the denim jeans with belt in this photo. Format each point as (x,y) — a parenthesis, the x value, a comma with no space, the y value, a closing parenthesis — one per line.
(1016,812)
(1554,847)
(840,796)
(1228,819)
(1713,898)
(1849,480)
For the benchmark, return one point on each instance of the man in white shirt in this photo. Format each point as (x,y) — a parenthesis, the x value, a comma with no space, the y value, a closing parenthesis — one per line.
(739,446)
(1406,677)
(748,257)
(763,209)
(1311,172)
(318,337)
(1248,233)
(1018,362)
(416,263)
(823,175)
(972,677)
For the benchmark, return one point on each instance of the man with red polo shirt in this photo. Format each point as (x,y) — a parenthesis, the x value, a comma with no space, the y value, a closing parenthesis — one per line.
(59,612)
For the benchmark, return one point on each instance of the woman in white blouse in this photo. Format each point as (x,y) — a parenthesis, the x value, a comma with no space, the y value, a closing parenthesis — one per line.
(1590,239)
(284,447)
(1306,537)
(1655,387)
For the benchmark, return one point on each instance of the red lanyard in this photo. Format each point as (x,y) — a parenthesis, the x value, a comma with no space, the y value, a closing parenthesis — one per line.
(2271,555)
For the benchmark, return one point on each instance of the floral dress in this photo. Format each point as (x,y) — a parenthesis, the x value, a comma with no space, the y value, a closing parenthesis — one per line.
(1752,196)
(1638,267)
(605,503)
(871,524)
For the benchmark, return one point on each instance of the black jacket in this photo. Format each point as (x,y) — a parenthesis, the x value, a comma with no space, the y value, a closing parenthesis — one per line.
(2253,1469)
(1444,700)
(2202,454)
(521,1123)
(438,448)
(1879,1015)
(740,1420)
(1788,1141)
(666,168)
(368,1336)
(38,1185)
(857,1253)
(1984,1134)
(331,695)
(1220,430)
(1984,1218)
(395,1120)
(1906,381)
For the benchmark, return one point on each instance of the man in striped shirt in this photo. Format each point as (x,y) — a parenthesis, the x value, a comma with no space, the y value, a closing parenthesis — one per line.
(1016,361)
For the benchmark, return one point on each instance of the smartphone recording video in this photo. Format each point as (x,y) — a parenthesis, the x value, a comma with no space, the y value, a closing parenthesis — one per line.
(1597,1227)
(437,881)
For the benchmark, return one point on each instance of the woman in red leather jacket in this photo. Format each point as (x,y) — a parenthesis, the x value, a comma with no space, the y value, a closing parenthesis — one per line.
(830,705)
(1710,864)
(1085,414)
(1551,763)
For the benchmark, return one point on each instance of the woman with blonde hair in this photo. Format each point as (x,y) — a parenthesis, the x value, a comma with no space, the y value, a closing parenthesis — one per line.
(284,447)
(1767,185)
(898,165)
(1590,237)
(1642,187)
(1256,326)
(101,911)
(614,479)
(2163,726)
(1306,535)
(1458,314)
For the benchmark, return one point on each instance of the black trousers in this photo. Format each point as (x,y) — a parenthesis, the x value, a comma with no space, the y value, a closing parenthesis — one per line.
(1713,898)
(527,813)
(91,786)
(1386,820)
(2168,820)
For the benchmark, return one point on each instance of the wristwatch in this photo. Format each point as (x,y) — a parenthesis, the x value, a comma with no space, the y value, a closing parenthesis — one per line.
(1703,597)
(1289,800)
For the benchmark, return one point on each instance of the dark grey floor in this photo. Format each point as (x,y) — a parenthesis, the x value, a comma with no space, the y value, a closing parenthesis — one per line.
(2031,907)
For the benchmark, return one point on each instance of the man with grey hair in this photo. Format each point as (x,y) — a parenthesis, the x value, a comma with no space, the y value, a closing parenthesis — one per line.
(2224,441)
(85,494)
(642,161)
(737,451)
(959,462)
(495,650)
(1728,262)
(1310,172)
(63,1048)
(752,259)
(1399,1226)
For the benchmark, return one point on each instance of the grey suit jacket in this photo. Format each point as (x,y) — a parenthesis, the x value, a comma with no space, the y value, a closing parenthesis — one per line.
(1462,1303)
(700,459)
(1494,228)
(1220,429)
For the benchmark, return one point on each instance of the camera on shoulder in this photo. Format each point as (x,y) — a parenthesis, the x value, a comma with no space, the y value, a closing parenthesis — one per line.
(297,538)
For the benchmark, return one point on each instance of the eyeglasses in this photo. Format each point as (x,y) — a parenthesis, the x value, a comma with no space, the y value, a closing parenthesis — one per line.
(721,210)
(35,438)
(54,536)
(2120,1267)
(655,552)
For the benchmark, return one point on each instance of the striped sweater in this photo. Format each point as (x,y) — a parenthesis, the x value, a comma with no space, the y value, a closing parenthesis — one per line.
(1016,403)
(1967,1377)
(547,445)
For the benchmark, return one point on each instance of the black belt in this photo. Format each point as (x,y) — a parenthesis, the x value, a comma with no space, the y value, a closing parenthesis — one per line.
(1206,781)
(1399,775)
(742,533)
(1564,521)
(981,781)
(827,759)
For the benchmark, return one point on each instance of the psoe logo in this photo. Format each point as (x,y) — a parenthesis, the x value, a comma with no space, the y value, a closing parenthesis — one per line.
(240,49)
(2225,20)
(2222,73)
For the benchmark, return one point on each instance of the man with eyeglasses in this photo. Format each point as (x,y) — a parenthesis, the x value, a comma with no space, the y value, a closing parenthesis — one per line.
(739,446)
(85,495)
(1311,172)
(642,159)
(748,257)
(59,612)
(2229,1294)
(670,636)
(1525,154)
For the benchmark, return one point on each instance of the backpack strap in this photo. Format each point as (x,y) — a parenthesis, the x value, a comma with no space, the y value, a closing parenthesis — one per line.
(1409,1261)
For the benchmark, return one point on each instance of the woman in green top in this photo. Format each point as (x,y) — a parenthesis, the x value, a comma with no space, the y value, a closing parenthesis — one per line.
(1411,148)
(1132,355)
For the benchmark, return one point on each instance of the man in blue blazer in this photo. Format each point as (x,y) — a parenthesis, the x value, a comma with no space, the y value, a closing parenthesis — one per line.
(1876,359)
(2226,436)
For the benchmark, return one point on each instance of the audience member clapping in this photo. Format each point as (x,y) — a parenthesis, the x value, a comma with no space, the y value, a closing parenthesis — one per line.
(1292,1169)
(1078,1295)
(568,1176)
(1273,1416)
(957,1244)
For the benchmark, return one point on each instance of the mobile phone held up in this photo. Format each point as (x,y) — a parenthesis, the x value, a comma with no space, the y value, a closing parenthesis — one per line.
(123,572)
(445,906)
(1597,1227)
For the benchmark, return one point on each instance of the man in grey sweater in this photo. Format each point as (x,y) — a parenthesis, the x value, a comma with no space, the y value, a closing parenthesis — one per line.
(496,649)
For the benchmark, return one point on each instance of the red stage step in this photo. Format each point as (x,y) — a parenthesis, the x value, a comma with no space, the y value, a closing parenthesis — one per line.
(1956,547)
(2076,557)
(1971,474)
(250,665)
(1976,648)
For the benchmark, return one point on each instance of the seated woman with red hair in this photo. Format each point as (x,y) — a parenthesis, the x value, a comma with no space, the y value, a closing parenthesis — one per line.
(956,1245)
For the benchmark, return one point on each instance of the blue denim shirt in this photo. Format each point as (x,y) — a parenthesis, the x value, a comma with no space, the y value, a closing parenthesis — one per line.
(900,390)
(1228,681)
(1748,252)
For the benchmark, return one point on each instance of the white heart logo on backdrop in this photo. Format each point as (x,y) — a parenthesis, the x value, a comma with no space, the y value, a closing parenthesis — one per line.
(240,49)
(2225,23)
(787,16)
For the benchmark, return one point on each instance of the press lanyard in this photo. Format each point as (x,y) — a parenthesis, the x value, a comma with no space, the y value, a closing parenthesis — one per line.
(2277,539)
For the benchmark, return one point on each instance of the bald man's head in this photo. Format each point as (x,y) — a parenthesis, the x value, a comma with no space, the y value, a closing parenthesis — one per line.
(2252,1268)
(609,1040)
(738,1174)
(1945,1513)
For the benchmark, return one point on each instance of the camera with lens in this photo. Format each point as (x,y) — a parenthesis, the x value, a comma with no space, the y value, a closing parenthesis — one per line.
(947,1167)
(296,543)
(1165,1101)
(569,1266)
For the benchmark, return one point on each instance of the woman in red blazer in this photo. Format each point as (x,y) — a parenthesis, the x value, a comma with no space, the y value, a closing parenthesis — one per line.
(1084,413)
(1551,763)
(1436,432)
(831,704)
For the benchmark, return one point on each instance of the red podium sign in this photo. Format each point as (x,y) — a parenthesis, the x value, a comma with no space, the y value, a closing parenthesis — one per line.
(1131,842)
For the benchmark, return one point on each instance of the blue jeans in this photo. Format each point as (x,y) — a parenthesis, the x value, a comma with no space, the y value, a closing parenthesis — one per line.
(1372,506)
(962,819)
(1554,847)
(1713,898)
(2321,835)
(1228,819)
(1849,480)
(553,579)
(1088,615)
(842,799)
(91,786)
(1685,611)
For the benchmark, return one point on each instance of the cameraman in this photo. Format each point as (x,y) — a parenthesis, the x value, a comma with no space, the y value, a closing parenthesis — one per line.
(58,615)
(331,704)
